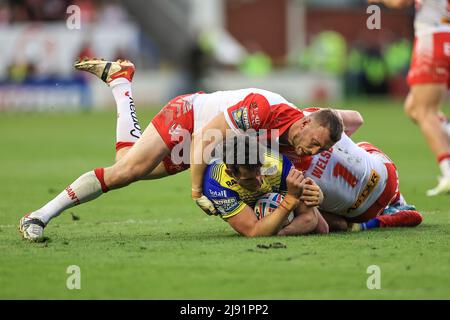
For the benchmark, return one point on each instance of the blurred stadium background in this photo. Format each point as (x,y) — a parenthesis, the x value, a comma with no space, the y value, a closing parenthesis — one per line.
(309,51)
(144,242)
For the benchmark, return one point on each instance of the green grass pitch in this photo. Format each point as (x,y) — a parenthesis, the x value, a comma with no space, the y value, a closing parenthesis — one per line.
(149,241)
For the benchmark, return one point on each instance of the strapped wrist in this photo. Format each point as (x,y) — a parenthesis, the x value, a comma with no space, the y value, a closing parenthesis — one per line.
(289,202)
(196,193)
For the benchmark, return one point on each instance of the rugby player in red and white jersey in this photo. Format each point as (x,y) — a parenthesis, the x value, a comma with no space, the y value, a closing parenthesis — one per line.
(349,183)
(358,182)
(148,155)
(429,78)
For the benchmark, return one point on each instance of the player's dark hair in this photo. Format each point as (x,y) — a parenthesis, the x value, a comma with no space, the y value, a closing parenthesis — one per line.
(242,151)
(330,119)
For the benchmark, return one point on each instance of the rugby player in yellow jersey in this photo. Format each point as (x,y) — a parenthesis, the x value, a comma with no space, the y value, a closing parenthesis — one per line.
(234,189)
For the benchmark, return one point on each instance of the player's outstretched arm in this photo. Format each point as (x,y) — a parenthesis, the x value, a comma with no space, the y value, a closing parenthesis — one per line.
(352,120)
(246,223)
(394,4)
(198,145)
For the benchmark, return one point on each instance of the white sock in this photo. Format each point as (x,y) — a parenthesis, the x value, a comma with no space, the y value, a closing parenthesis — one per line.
(400,202)
(85,188)
(444,164)
(446,125)
(128,127)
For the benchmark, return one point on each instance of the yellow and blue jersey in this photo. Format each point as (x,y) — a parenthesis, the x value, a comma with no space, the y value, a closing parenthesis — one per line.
(229,198)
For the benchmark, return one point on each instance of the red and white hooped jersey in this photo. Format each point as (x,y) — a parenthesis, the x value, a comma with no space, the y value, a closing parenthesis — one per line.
(351,179)
(432,16)
(245,109)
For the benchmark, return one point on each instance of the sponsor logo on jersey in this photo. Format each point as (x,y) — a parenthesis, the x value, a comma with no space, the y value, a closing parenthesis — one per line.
(245,119)
(269,171)
(136,132)
(240,117)
(225,206)
(222,193)
(187,105)
(72,195)
(230,183)
(175,130)
(226,201)
(370,186)
(255,119)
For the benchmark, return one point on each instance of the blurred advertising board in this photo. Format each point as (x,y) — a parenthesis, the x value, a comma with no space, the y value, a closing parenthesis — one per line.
(52,48)
(49,94)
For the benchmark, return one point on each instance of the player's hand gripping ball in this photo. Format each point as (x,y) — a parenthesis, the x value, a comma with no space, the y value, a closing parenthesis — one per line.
(267,204)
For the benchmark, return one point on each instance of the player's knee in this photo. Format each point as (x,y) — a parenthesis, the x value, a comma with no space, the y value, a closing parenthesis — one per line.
(310,219)
(419,110)
(322,227)
(411,109)
(339,225)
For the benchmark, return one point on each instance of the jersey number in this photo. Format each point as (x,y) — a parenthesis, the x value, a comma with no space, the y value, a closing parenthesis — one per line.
(340,170)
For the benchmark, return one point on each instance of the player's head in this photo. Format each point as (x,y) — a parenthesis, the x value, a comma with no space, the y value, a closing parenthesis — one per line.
(241,155)
(316,132)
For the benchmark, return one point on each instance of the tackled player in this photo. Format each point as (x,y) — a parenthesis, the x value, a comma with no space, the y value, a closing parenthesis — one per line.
(147,155)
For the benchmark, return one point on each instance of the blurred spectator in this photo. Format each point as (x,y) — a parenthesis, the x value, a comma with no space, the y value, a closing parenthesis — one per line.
(378,69)
(397,55)
(375,71)
(354,71)
(112,13)
(49,10)
(20,70)
(5,13)
(38,10)
(53,10)
(257,63)
(327,53)
(366,69)
(196,66)
(86,51)
(88,10)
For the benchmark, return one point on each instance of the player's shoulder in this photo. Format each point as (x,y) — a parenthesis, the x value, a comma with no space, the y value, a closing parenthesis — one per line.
(345,142)
(286,110)
(271,156)
(272,98)
(274,162)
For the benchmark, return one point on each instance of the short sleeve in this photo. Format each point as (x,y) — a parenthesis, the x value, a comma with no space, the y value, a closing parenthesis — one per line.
(250,113)
(287,165)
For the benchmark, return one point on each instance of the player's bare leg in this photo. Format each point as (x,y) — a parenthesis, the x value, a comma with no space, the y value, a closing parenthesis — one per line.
(157,173)
(92,184)
(139,162)
(423,107)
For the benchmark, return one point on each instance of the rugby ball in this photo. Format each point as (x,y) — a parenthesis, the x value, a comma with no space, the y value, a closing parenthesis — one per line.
(267,204)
